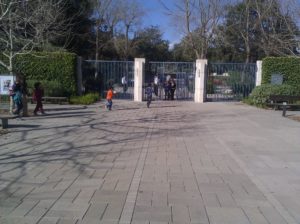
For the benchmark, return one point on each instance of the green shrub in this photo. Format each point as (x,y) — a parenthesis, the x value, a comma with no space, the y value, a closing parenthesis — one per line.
(87,99)
(261,94)
(51,88)
(289,67)
(56,70)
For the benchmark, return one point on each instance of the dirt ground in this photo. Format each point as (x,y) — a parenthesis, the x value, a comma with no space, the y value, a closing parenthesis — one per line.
(294,117)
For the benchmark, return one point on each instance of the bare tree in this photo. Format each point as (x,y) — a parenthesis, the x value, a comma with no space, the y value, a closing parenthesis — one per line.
(27,25)
(277,21)
(130,17)
(198,19)
(101,11)
(243,24)
(5,7)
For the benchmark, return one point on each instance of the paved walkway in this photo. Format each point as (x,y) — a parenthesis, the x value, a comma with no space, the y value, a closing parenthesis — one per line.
(177,162)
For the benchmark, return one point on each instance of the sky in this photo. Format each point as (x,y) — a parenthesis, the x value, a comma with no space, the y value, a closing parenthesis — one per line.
(156,16)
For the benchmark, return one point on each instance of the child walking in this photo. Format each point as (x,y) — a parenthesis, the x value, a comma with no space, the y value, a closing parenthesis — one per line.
(149,92)
(109,97)
(37,96)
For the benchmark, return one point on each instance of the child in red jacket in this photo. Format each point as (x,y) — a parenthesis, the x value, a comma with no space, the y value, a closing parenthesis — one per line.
(109,97)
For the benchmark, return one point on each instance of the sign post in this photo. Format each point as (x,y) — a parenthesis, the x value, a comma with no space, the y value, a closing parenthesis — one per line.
(6,83)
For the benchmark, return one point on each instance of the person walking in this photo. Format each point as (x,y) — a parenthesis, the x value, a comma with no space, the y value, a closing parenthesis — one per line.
(149,92)
(37,96)
(17,96)
(109,97)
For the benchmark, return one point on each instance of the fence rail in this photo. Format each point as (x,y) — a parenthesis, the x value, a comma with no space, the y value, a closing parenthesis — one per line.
(230,81)
(109,74)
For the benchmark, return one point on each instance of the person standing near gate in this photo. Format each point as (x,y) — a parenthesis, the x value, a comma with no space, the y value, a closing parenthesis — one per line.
(172,88)
(124,83)
(167,90)
(156,83)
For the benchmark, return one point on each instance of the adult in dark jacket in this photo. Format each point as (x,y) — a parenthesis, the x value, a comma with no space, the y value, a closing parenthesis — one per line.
(37,96)
(172,88)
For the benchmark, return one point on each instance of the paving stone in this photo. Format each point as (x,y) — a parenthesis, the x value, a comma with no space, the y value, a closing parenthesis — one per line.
(211,200)
(144,198)
(18,220)
(226,215)
(67,221)
(226,200)
(106,196)
(255,216)
(159,199)
(41,208)
(95,211)
(198,215)
(68,210)
(180,214)
(112,212)
(24,208)
(272,215)
(49,220)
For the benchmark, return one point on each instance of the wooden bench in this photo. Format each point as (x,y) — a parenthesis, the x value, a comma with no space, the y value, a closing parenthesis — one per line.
(4,118)
(52,99)
(284,101)
(59,100)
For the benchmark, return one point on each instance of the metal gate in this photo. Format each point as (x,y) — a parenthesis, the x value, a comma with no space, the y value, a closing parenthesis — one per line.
(183,73)
(110,74)
(229,81)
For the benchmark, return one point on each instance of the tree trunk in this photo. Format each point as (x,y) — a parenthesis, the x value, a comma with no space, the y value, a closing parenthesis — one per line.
(97,48)
(126,42)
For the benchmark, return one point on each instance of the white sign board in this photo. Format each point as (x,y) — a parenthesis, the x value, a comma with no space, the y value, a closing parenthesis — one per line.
(6,82)
(276,79)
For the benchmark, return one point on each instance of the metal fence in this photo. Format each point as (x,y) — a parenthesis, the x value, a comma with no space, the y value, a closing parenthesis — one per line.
(110,74)
(230,81)
(183,73)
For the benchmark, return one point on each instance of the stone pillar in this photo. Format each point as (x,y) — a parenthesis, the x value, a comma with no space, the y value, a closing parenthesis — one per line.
(139,71)
(200,81)
(79,75)
(258,73)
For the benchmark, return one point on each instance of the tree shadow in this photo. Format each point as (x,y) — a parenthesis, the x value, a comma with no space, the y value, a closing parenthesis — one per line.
(77,145)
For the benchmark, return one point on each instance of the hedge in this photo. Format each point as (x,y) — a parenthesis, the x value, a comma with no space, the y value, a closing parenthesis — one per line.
(55,67)
(261,94)
(289,67)
(87,99)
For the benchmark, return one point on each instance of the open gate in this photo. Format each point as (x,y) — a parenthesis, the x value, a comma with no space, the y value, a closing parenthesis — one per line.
(183,73)
(229,81)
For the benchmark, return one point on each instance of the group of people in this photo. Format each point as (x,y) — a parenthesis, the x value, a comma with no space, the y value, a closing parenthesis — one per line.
(18,92)
(169,87)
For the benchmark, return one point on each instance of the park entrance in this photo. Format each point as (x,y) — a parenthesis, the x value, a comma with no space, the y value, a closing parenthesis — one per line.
(183,73)
(110,74)
(229,81)
(223,81)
